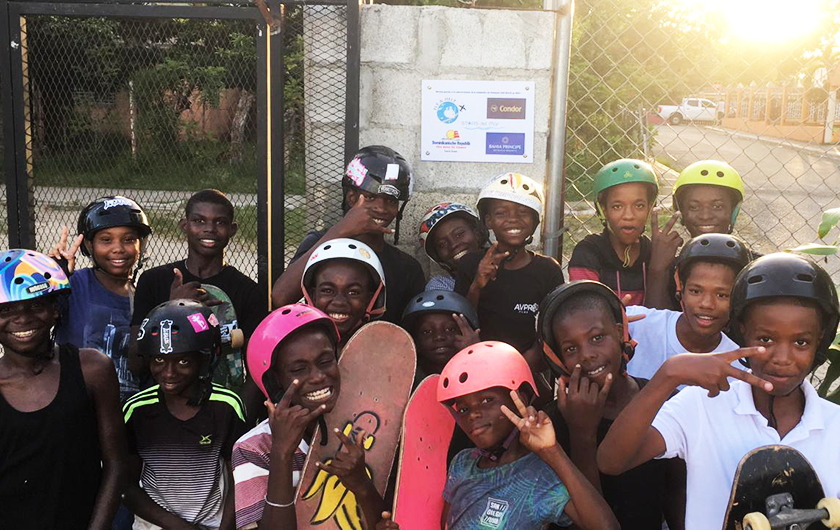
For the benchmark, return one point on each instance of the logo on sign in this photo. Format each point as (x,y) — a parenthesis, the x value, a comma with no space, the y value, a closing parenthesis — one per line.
(506,108)
(505,144)
(447,112)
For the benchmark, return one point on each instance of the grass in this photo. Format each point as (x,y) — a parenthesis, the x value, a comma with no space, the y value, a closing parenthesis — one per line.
(189,166)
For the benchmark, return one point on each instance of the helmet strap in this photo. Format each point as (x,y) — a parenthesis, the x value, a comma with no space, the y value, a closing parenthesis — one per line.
(496,453)
(397,226)
(322,424)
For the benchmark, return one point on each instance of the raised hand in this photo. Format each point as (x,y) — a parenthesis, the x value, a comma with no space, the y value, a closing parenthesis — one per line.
(288,422)
(631,318)
(489,265)
(359,220)
(664,242)
(349,463)
(468,335)
(581,402)
(711,370)
(386,523)
(535,429)
(190,290)
(61,250)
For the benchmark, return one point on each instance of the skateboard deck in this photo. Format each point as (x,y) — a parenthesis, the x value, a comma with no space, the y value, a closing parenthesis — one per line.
(426,434)
(774,472)
(230,371)
(377,371)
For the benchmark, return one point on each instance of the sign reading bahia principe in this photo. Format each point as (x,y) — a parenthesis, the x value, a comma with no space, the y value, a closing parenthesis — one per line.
(478,121)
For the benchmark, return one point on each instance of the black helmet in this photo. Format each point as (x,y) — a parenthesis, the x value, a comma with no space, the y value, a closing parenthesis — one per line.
(784,274)
(183,326)
(551,304)
(713,247)
(437,302)
(380,170)
(111,211)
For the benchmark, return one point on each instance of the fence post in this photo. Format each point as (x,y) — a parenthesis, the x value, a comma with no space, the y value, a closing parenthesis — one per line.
(354,62)
(22,233)
(556,181)
(783,113)
(828,134)
(9,159)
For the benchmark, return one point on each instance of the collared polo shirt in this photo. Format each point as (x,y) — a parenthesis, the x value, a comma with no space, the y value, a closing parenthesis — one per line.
(713,434)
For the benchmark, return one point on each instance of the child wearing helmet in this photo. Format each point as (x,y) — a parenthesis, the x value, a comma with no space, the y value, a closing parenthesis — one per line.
(292,357)
(113,233)
(584,334)
(707,198)
(62,446)
(442,323)
(209,224)
(625,191)
(487,386)
(448,232)
(507,282)
(182,430)
(705,272)
(784,313)
(376,187)
(344,279)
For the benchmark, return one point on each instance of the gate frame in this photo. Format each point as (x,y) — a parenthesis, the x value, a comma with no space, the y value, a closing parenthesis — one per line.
(270,107)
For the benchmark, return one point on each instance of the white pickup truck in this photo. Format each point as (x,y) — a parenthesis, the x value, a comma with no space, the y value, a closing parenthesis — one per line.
(691,109)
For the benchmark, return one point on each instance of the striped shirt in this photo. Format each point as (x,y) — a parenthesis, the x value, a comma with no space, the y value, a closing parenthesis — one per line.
(251,456)
(184,468)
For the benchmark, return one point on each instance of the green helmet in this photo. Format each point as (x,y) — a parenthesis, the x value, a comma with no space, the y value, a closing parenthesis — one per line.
(624,171)
(714,173)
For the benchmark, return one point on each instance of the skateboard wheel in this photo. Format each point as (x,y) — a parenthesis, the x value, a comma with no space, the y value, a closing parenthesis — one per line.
(832,505)
(756,521)
(237,338)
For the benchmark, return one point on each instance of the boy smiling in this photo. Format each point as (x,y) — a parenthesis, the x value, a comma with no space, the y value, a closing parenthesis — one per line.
(784,312)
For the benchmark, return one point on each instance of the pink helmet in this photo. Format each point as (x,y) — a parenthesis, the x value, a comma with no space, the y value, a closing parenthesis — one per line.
(482,366)
(271,332)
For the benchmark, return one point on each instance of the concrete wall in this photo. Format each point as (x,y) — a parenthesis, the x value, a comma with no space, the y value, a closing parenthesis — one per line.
(402,45)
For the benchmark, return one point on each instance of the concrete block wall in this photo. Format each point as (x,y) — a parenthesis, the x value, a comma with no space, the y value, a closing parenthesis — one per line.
(403,45)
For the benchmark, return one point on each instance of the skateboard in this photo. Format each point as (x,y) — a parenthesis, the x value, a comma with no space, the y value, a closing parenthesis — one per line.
(775,487)
(426,434)
(377,370)
(230,372)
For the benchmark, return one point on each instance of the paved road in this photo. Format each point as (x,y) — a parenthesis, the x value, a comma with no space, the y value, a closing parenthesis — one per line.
(788,186)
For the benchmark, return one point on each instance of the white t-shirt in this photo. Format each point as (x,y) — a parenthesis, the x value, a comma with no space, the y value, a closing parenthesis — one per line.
(656,335)
(713,434)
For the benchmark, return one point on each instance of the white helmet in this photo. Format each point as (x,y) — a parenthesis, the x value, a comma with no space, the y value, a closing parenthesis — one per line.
(512,187)
(347,249)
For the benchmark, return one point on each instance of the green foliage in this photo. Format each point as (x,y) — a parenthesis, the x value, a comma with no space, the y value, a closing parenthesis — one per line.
(830,219)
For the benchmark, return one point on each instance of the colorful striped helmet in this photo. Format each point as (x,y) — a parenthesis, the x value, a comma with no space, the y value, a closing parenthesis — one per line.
(438,213)
(27,274)
(515,188)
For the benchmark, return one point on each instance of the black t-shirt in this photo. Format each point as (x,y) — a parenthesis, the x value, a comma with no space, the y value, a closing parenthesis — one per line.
(154,284)
(508,306)
(595,259)
(404,276)
(637,497)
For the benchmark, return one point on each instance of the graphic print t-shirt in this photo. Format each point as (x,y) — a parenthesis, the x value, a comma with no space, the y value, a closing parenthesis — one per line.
(525,494)
(99,319)
(508,306)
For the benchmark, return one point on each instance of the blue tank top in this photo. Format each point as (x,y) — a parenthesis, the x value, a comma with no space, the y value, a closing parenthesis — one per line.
(50,460)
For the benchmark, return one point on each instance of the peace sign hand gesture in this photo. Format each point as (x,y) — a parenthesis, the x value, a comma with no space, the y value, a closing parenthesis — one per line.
(536,432)
(711,370)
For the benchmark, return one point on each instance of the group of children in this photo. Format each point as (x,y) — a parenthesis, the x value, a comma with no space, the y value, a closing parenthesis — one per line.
(577,403)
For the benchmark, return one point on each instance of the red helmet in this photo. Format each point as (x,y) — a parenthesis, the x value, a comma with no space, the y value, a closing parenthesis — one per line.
(481,366)
(271,332)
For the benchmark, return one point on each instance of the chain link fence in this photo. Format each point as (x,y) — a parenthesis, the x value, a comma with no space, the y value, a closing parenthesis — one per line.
(158,108)
(765,114)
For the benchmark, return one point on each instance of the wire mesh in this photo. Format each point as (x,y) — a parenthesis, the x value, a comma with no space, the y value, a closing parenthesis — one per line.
(152,109)
(631,58)
(316,67)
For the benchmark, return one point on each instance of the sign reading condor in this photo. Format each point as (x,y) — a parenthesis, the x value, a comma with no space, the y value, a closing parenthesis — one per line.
(478,121)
